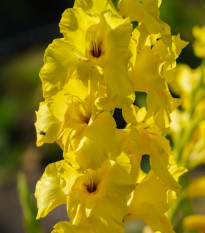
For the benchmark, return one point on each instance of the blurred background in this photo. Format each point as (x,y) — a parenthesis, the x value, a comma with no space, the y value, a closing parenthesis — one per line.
(27,27)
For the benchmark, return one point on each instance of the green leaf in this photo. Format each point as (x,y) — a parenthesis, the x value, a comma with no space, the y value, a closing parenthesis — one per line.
(28,206)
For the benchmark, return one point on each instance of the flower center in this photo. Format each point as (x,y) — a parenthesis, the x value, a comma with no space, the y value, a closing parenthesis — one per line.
(96,51)
(94,40)
(85,113)
(91,188)
(85,118)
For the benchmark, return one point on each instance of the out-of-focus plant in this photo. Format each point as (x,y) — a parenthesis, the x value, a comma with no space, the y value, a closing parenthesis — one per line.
(28,206)
(17,97)
(188,135)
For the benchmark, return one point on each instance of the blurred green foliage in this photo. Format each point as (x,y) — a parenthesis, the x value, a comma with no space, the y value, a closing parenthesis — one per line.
(19,97)
(28,206)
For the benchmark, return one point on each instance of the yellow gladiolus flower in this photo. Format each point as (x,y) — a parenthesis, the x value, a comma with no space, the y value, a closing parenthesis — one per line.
(95,68)
(85,141)
(76,126)
(47,125)
(98,196)
(102,45)
(50,188)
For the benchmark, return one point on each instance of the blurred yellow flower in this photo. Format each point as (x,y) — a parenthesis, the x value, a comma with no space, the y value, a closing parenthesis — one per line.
(187,126)
(199,43)
(194,222)
(196,188)
(183,80)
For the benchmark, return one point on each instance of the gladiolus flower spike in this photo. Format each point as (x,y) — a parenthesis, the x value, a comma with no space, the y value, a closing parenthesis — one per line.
(96,67)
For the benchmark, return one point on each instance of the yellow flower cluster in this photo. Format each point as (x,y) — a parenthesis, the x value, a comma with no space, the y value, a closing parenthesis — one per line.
(98,65)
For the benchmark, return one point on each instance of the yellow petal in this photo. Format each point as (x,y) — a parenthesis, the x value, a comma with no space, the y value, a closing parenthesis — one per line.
(68,174)
(75,120)
(159,3)
(130,113)
(67,227)
(145,11)
(101,45)
(118,37)
(168,48)
(161,170)
(119,87)
(92,151)
(74,29)
(47,125)
(58,57)
(104,192)
(48,192)
(160,105)
(150,203)
(151,191)
(145,74)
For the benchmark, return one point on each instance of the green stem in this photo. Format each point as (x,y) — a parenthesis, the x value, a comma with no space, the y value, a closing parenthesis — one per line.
(173,211)
(182,203)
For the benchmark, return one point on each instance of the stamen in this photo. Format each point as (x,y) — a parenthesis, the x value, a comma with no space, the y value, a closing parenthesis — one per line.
(91,187)
(87,114)
(94,40)
(96,50)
